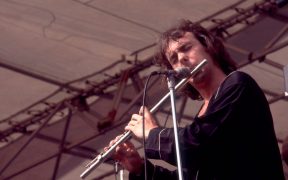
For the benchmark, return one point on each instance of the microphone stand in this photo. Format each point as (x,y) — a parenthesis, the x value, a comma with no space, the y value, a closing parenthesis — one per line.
(119,172)
(171,86)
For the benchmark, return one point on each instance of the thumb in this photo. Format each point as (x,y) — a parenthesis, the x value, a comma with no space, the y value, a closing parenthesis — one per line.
(145,110)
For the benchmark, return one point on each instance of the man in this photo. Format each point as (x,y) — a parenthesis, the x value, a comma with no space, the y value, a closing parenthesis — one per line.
(232,136)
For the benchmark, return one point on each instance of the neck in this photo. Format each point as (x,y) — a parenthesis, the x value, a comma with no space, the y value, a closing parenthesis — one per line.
(211,85)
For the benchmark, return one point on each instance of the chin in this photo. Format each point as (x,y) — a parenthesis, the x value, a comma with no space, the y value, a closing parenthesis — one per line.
(199,79)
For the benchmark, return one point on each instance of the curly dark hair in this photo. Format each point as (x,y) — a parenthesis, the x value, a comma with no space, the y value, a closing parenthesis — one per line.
(212,44)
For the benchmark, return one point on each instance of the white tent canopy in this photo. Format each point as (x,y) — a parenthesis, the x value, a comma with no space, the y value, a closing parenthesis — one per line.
(69,65)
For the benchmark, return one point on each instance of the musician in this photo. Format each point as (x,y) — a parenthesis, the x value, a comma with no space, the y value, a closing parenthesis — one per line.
(232,136)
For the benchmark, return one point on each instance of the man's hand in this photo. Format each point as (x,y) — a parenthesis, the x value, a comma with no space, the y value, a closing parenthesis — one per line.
(136,123)
(127,156)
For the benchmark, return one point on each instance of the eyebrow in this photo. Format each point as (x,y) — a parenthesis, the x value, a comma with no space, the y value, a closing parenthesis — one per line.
(180,47)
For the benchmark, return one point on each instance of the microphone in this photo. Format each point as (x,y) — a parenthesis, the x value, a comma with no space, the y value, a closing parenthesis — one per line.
(181,73)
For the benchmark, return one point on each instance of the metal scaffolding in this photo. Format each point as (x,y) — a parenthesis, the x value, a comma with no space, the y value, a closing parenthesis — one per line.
(76,100)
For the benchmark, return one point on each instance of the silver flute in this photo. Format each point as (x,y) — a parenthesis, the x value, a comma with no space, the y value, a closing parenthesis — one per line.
(128,134)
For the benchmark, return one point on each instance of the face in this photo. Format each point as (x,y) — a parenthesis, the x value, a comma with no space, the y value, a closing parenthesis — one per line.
(187,51)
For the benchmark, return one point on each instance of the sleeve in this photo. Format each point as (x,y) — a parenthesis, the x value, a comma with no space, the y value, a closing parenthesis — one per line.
(154,172)
(161,145)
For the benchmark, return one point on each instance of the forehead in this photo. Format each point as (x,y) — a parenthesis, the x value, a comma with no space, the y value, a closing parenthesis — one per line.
(173,45)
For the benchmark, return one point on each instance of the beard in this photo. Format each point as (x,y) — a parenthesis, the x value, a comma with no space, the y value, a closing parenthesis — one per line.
(198,78)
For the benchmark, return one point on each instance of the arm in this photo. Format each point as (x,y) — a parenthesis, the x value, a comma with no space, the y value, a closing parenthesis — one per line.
(154,172)
(192,138)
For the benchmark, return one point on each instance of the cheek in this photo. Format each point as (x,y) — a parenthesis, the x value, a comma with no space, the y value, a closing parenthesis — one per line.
(175,66)
(202,54)
(200,51)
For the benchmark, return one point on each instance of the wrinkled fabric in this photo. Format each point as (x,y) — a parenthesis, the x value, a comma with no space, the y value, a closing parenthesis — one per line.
(233,140)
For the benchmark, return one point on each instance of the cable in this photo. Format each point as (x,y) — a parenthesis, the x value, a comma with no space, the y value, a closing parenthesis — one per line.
(167,117)
(143,124)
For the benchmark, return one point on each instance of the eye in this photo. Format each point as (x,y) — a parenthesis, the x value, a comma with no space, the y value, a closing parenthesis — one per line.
(173,58)
(185,48)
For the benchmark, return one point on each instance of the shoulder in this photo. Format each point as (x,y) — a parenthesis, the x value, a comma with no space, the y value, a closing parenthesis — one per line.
(240,81)
(238,77)
(237,82)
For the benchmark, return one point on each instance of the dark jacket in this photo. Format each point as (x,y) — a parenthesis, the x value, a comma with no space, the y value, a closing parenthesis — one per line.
(233,140)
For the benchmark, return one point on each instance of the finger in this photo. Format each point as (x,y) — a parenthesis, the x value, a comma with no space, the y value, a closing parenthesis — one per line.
(117,155)
(106,149)
(117,138)
(135,120)
(122,150)
(129,127)
(135,117)
(146,110)
(127,148)
(141,110)
(111,142)
(130,145)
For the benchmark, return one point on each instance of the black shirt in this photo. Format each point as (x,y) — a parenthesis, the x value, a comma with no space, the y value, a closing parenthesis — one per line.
(233,140)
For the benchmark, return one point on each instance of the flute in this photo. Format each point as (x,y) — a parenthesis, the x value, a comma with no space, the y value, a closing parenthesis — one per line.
(127,134)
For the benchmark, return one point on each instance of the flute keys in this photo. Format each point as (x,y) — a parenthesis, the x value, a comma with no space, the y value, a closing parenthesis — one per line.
(93,161)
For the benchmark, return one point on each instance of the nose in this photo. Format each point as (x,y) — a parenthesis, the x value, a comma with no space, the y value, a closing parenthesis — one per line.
(183,58)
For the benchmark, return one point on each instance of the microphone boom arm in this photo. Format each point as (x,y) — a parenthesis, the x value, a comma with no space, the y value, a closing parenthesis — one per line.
(127,134)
